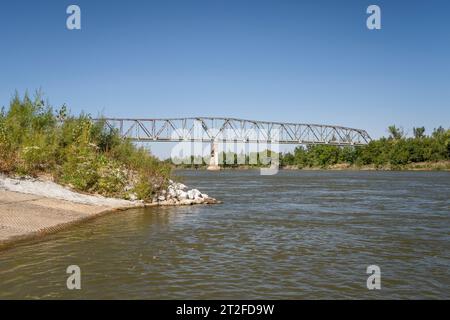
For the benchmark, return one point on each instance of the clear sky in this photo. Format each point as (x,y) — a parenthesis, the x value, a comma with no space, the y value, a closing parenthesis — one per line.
(298,61)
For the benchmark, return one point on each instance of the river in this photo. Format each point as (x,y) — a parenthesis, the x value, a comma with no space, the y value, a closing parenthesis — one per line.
(294,235)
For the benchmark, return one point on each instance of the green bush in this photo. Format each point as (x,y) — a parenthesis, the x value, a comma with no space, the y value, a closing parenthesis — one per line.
(84,154)
(7,152)
(80,170)
(112,177)
(143,189)
(395,151)
(37,154)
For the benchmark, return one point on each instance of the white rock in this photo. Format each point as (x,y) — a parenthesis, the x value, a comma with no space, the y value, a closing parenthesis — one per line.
(186,202)
(161,198)
(182,194)
(170,201)
(180,186)
(172,192)
(196,194)
(132,197)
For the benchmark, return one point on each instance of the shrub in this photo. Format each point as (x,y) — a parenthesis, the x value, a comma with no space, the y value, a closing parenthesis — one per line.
(37,154)
(80,168)
(7,152)
(112,177)
(76,151)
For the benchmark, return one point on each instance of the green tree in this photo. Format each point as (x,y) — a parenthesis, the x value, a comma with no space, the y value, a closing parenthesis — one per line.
(395,133)
(419,132)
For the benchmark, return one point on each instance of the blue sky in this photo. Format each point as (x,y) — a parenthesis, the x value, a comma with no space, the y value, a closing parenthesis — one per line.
(280,60)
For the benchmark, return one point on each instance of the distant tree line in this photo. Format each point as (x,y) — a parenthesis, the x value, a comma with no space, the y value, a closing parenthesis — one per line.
(395,151)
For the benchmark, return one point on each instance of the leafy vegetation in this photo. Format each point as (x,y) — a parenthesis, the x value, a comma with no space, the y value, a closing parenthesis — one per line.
(394,152)
(75,151)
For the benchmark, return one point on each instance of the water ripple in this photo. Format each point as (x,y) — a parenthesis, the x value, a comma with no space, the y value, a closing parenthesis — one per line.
(291,236)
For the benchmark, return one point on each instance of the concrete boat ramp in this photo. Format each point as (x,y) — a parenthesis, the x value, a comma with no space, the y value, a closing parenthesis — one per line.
(27,216)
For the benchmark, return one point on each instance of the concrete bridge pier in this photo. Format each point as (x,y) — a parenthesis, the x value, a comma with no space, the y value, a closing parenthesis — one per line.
(214,160)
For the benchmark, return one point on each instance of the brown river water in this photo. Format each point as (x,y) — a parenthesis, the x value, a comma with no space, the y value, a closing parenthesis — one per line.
(294,235)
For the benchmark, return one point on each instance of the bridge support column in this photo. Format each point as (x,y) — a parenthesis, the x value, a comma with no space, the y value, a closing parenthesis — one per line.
(214,160)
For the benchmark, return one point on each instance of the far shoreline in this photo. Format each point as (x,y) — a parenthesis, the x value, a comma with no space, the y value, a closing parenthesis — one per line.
(418,166)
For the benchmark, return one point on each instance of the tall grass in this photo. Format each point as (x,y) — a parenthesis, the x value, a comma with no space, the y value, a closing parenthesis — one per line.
(88,156)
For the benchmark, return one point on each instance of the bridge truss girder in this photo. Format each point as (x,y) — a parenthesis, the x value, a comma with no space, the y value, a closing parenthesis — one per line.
(231,130)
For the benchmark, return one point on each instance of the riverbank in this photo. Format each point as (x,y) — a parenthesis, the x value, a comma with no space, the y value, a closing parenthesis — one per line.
(31,208)
(417,166)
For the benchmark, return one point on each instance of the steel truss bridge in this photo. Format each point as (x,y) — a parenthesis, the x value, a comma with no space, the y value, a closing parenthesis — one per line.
(229,130)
